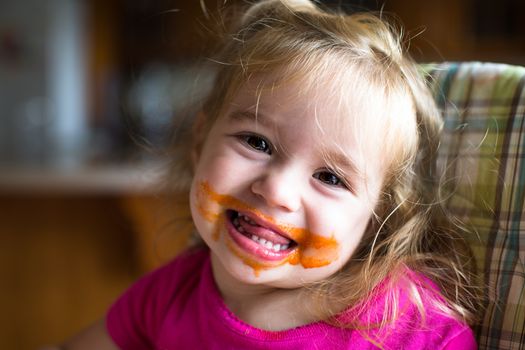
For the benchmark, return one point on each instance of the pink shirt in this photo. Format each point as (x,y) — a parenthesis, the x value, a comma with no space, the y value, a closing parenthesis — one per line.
(179,307)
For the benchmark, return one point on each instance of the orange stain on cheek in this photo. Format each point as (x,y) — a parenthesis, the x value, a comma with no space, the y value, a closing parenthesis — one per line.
(313,250)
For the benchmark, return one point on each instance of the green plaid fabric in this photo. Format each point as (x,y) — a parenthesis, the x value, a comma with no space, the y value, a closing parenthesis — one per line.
(482,152)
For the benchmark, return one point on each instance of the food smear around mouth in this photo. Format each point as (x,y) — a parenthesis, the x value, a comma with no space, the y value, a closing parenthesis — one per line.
(217,230)
(312,250)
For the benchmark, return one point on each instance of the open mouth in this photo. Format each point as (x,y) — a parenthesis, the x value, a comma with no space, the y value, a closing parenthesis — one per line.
(258,239)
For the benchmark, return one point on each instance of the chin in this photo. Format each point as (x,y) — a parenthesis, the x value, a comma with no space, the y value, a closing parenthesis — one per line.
(242,273)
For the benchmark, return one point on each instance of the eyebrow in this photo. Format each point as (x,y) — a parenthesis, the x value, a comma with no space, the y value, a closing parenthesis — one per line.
(257,117)
(343,163)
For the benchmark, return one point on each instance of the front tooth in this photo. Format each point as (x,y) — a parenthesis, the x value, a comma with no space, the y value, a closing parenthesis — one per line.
(284,246)
(269,245)
(262,241)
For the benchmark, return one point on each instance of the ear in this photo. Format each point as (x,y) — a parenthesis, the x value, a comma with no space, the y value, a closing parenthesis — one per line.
(199,132)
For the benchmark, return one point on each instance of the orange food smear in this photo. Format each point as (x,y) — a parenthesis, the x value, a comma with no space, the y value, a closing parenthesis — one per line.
(314,250)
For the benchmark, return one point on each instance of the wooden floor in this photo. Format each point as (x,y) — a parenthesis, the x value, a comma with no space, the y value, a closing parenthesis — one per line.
(64,259)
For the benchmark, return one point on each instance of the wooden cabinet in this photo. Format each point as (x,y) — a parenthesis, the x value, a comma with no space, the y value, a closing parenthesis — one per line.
(71,242)
(459,30)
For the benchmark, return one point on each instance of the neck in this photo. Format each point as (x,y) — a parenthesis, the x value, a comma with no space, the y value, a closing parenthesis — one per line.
(262,306)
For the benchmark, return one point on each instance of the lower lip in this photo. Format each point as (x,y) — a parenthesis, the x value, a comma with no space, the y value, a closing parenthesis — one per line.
(253,248)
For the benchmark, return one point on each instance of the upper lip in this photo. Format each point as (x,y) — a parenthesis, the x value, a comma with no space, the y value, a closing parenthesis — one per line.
(267,224)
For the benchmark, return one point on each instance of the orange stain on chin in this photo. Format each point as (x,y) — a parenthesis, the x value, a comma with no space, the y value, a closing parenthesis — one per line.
(313,250)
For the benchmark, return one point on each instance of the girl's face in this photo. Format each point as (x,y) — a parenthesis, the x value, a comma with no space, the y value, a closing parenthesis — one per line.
(265,199)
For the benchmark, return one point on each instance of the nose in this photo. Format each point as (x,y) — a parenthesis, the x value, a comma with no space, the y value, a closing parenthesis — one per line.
(279,189)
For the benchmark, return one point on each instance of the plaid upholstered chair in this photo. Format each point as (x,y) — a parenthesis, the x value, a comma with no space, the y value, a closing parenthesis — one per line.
(483,150)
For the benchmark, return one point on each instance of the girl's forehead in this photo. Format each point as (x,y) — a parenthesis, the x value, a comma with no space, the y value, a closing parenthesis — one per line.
(336,109)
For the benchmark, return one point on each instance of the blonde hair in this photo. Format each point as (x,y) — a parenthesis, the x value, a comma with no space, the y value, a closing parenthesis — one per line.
(410,229)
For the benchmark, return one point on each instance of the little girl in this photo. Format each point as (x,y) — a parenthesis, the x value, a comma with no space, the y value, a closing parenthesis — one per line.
(314,191)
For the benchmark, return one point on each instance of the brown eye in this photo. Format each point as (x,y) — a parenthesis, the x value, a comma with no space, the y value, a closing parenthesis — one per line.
(257,143)
(328,178)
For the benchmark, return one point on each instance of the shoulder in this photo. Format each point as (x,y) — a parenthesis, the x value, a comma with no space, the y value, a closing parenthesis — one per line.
(425,319)
(188,263)
(411,313)
(166,280)
(140,311)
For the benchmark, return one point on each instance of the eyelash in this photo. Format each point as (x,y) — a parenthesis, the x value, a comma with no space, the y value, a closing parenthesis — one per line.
(249,138)
(266,147)
(338,181)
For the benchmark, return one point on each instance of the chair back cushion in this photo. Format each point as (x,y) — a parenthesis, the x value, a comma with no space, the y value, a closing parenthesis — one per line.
(482,153)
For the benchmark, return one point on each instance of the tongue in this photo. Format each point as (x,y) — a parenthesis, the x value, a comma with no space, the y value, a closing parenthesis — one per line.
(263,232)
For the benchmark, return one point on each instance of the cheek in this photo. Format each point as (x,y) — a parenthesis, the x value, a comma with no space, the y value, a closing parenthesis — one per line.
(350,227)
(217,167)
(205,213)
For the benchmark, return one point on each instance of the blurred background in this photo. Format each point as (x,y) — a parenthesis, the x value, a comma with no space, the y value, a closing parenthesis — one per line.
(89,90)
